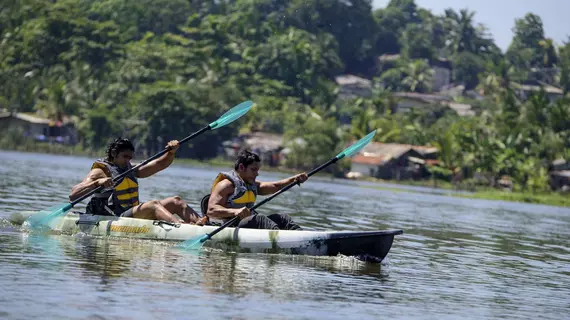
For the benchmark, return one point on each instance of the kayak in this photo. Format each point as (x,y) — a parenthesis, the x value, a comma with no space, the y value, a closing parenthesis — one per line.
(370,246)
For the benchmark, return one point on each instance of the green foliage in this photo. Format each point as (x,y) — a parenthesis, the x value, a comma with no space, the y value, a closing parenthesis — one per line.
(312,142)
(530,48)
(564,63)
(160,70)
(467,68)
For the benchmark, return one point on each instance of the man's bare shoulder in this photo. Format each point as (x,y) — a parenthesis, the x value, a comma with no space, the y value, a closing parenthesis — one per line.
(225,186)
(96,173)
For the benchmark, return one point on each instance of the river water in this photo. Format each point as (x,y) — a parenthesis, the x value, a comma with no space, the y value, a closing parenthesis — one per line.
(458,258)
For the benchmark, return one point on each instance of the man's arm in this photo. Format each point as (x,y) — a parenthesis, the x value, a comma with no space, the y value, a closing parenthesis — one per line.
(159,164)
(94,179)
(219,197)
(266,188)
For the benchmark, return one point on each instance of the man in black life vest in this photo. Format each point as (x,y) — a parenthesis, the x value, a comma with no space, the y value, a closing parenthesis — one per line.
(122,198)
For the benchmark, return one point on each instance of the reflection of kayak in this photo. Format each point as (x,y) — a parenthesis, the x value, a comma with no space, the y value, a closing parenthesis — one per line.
(364,245)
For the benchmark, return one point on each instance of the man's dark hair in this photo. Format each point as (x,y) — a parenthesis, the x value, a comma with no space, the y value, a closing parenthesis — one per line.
(118,145)
(246,158)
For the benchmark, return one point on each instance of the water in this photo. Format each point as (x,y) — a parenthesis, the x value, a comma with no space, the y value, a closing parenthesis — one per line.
(457,258)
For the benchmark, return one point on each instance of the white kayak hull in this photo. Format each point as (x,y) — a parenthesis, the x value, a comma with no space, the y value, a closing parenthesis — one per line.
(364,245)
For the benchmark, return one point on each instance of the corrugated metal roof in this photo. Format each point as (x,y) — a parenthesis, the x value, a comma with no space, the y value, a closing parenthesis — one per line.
(422,96)
(263,141)
(348,79)
(547,88)
(389,57)
(394,149)
(26,117)
(563,173)
(461,108)
(362,159)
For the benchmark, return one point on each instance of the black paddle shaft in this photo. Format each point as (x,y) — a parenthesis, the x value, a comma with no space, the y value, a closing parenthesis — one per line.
(289,186)
(122,175)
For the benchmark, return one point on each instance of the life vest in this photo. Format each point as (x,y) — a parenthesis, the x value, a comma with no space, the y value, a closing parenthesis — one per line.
(244,194)
(115,200)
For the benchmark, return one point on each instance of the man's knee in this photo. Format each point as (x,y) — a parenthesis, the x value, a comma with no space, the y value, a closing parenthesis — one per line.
(154,204)
(178,201)
(175,201)
(265,222)
(284,221)
(258,222)
(279,217)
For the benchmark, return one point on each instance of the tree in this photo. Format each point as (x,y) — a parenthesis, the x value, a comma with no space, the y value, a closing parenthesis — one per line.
(311,142)
(136,18)
(416,42)
(350,22)
(300,59)
(466,68)
(418,76)
(564,63)
(525,49)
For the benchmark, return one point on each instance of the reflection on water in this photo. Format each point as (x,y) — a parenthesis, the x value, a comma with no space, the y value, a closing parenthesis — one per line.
(457,257)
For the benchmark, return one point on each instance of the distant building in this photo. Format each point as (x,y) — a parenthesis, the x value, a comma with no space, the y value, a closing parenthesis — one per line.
(386,62)
(393,161)
(412,100)
(38,128)
(441,73)
(560,175)
(560,180)
(268,146)
(351,86)
(526,89)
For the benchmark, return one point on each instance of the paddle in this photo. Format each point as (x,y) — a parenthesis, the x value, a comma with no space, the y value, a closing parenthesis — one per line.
(43,218)
(197,242)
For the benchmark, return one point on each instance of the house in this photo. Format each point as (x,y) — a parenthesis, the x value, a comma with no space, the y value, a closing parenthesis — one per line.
(406,101)
(560,180)
(267,145)
(559,165)
(412,100)
(386,62)
(441,73)
(527,88)
(393,161)
(350,86)
(39,128)
(560,175)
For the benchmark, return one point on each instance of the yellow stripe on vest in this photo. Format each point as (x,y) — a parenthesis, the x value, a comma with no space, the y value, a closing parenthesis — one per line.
(248,197)
(128,196)
(126,184)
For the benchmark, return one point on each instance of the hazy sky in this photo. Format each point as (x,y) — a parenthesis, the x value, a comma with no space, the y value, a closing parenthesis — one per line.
(499,15)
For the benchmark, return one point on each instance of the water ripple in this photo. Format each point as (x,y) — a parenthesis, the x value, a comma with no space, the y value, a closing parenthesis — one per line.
(457,258)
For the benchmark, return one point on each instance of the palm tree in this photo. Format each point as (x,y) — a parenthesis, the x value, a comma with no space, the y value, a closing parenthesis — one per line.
(463,34)
(418,76)
(550,58)
(498,79)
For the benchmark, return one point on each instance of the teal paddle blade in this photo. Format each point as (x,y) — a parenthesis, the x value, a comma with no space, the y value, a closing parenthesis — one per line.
(353,149)
(44,218)
(193,244)
(232,115)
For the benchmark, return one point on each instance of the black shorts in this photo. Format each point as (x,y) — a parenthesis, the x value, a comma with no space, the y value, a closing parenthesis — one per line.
(129,212)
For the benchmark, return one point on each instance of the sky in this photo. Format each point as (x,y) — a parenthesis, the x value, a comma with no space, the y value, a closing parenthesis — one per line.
(499,15)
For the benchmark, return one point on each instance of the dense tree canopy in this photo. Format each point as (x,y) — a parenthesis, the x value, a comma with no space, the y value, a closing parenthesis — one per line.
(158,70)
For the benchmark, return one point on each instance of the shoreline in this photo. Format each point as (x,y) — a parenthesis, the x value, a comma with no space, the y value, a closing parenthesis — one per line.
(550,198)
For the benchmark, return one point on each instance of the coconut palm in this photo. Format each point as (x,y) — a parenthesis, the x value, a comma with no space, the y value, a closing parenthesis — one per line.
(418,76)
